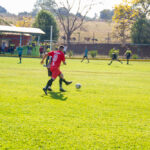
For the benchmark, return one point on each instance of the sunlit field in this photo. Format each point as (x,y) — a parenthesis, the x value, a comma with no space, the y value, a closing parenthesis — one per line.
(110,111)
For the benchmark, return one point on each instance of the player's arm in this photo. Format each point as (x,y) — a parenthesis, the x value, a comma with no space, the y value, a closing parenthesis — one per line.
(42,61)
(63,59)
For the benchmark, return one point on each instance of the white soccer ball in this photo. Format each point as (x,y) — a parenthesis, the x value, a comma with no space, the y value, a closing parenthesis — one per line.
(78,85)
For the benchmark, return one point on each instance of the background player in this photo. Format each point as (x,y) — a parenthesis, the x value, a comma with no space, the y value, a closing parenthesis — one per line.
(20,49)
(85,55)
(128,55)
(114,56)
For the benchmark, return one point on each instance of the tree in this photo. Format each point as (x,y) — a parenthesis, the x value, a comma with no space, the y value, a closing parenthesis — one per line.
(69,21)
(142,5)
(24,22)
(106,14)
(48,5)
(44,20)
(124,17)
(141,28)
(21,14)
(140,31)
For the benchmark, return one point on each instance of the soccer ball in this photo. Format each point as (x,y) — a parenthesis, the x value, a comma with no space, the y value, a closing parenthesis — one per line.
(78,85)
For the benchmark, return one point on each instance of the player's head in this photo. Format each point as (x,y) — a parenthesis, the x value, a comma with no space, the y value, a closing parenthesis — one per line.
(61,48)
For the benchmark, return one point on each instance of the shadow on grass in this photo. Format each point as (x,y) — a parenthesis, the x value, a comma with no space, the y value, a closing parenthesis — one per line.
(58,96)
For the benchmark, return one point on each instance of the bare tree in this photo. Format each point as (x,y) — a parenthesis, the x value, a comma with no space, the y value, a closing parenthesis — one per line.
(69,21)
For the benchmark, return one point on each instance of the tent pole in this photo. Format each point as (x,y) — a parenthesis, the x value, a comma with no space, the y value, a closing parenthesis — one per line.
(20,40)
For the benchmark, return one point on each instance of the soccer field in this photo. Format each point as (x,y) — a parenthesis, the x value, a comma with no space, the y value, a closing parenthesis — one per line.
(111,111)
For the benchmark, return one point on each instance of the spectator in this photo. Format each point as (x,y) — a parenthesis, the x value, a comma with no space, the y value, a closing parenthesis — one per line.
(41,50)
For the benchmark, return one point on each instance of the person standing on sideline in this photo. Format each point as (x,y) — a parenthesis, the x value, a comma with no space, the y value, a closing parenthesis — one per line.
(41,49)
(3,47)
(85,55)
(65,50)
(20,49)
(114,56)
(57,58)
(128,55)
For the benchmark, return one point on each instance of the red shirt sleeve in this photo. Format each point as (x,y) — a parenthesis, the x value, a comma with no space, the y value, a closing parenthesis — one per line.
(63,57)
(50,53)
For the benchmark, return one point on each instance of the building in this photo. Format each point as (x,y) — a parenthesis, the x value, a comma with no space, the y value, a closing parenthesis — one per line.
(17,35)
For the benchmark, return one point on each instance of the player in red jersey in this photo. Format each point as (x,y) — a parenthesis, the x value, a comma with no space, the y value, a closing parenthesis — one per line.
(57,58)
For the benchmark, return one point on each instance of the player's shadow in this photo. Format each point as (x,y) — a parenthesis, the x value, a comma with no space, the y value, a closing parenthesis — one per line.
(58,96)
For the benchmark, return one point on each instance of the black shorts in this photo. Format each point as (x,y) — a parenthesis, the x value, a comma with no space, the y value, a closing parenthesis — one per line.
(20,55)
(49,72)
(114,58)
(85,56)
(128,57)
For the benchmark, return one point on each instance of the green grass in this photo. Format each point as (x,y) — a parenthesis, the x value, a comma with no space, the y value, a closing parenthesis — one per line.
(111,110)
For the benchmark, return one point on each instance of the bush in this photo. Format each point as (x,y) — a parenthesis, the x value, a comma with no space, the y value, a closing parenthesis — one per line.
(93,53)
(135,56)
(70,53)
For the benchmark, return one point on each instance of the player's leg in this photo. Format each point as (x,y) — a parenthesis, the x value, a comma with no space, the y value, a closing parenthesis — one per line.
(128,60)
(87,59)
(49,74)
(20,58)
(48,85)
(63,80)
(83,58)
(110,62)
(120,61)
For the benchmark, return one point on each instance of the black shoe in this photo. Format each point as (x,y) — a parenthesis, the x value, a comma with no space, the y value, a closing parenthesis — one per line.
(62,90)
(49,89)
(45,91)
(67,83)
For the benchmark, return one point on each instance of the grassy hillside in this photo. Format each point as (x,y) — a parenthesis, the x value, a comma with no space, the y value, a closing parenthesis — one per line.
(99,29)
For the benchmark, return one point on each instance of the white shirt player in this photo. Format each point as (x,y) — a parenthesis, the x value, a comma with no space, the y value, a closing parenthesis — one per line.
(65,49)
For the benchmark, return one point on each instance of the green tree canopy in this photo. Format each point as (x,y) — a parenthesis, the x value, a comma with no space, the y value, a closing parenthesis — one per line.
(140,32)
(106,14)
(43,21)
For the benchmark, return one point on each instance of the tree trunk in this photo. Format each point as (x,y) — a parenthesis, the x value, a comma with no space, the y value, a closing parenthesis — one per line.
(68,40)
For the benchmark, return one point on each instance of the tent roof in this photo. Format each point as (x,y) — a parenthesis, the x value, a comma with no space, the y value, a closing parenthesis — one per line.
(24,30)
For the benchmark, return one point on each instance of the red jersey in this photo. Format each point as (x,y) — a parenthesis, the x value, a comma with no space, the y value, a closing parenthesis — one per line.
(57,57)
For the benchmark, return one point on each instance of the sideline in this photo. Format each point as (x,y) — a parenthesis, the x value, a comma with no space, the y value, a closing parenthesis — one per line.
(25,56)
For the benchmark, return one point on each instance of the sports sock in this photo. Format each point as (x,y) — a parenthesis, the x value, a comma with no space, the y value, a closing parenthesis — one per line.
(49,83)
(60,83)
(64,81)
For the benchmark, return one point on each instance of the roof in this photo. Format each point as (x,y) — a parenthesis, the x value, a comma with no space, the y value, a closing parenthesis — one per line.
(24,30)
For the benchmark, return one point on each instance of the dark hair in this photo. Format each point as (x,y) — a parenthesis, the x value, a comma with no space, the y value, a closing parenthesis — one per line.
(61,47)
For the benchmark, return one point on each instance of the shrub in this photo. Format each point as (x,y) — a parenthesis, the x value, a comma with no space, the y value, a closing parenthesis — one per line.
(93,53)
(135,56)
